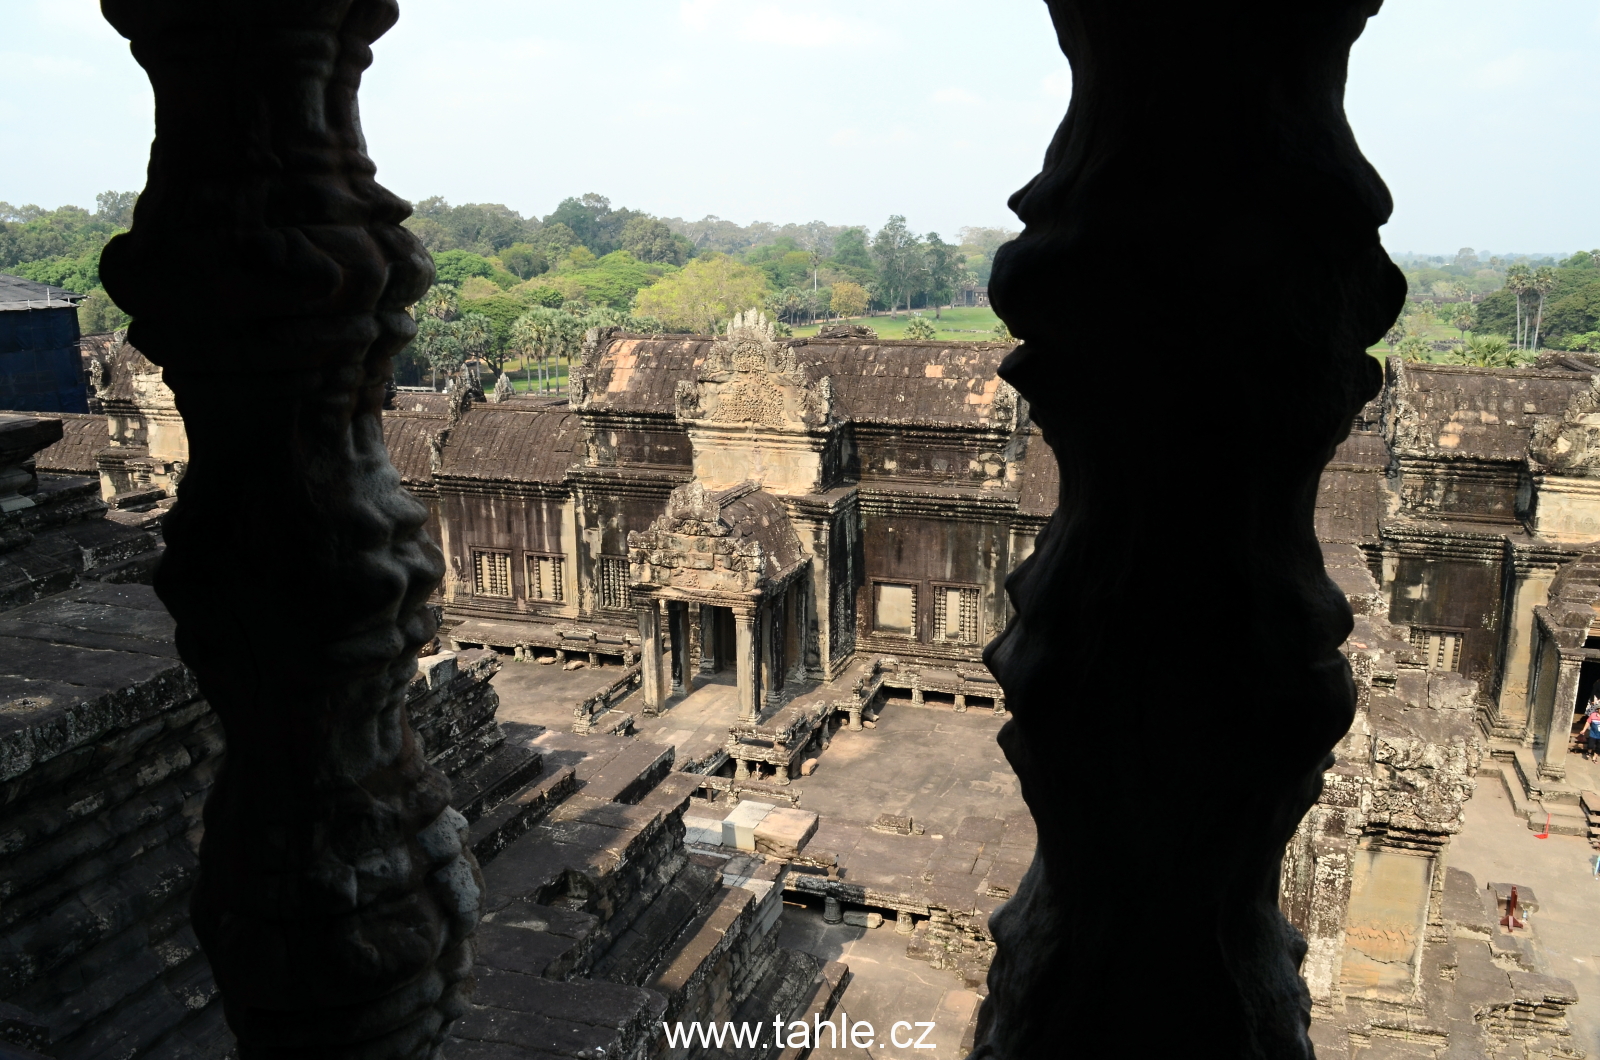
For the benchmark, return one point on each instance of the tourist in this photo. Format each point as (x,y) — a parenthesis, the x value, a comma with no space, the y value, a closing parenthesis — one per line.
(1591,728)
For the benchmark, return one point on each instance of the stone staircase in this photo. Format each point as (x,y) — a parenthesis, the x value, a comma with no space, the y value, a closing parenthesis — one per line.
(1541,802)
(600,925)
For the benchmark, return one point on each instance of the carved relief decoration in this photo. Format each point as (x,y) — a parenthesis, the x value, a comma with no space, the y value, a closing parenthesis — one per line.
(1570,443)
(750,377)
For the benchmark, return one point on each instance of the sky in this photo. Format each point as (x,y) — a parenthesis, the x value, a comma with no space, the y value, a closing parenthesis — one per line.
(1480,114)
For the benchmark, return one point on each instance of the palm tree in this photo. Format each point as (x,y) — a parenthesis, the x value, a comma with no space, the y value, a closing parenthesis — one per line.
(476,333)
(1544,281)
(1463,319)
(1518,282)
(1486,351)
(527,338)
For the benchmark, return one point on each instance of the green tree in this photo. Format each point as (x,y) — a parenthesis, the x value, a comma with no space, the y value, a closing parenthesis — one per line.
(1519,281)
(115,207)
(896,250)
(475,331)
(1485,351)
(1544,281)
(1463,318)
(98,314)
(708,290)
(591,218)
(523,260)
(1002,332)
(945,270)
(440,303)
(650,240)
(612,280)
(920,328)
(440,345)
(482,228)
(850,249)
(847,299)
(454,267)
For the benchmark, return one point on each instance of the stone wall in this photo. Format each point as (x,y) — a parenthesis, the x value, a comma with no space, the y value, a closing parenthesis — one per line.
(1363,878)
(106,755)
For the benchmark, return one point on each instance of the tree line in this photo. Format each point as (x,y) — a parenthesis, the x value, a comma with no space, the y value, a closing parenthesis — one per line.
(509,286)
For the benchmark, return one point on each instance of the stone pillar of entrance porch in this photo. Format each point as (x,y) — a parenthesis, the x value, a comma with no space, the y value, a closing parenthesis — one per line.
(709,660)
(678,629)
(1530,590)
(655,692)
(1557,726)
(747,662)
(771,682)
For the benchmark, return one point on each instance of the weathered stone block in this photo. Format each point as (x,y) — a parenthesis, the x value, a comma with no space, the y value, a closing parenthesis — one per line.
(783,832)
(739,827)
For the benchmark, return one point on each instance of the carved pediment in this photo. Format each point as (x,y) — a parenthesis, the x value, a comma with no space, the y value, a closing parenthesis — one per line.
(1570,443)
(751,378)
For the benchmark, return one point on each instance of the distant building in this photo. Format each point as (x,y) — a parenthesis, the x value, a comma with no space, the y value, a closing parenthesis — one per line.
(41,369)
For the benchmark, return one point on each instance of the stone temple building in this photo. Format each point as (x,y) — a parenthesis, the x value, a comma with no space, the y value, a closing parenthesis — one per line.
(771,507)
(802,511)
(1458,521)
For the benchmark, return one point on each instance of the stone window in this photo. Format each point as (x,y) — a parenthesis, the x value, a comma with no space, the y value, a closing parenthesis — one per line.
(614,592)
(955,614)
(545,578)
(895,609)
(491,573)
(1441,648)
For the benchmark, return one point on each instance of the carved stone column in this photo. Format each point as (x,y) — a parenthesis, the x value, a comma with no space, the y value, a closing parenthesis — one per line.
(678,628)
(654,688)
(335,900)
(1555,728)
(710,658)
(1189,469)
(770,681)
(747,661)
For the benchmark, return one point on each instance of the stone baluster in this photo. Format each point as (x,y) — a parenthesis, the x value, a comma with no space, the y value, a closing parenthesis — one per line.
(1189,473)
(335,900)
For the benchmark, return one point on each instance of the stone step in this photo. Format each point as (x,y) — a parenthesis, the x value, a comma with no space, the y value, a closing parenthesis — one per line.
(517,1016)
(655,925)
(827,991)
(1521,805)
(1525,771)
(1563,820)
(631,774)
(513,817)
(533,939)
(589,855)
(727,928)
(797,986)
(494,778)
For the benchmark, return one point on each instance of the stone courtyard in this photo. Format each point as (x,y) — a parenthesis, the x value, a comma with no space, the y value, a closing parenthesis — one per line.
(935,772)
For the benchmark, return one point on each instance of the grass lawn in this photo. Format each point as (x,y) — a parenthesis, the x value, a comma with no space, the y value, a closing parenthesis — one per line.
(971,325)
(557,376)
(1435,333)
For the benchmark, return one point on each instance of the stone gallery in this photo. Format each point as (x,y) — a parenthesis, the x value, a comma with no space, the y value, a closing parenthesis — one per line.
(758,516)
(773,508)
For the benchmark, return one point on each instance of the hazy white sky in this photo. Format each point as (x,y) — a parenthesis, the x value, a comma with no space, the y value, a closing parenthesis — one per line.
(1481,114)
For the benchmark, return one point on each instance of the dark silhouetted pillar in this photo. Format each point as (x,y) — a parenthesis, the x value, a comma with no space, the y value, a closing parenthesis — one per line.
(1197,282)
(268,274)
